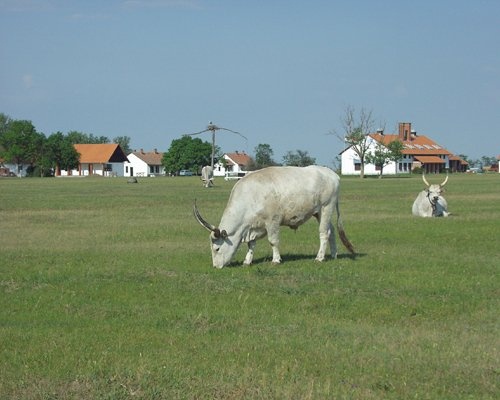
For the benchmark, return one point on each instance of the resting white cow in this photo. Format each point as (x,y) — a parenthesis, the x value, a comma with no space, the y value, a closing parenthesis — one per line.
(207,175)
(266,199)
(430,202)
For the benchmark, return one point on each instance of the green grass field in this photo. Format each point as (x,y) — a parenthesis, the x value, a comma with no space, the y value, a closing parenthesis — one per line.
(107,292)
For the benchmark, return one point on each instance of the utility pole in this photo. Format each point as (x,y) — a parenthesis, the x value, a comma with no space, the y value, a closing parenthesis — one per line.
(213,128)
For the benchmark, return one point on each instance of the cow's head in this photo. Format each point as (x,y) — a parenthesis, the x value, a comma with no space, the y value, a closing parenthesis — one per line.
(222,247)
(434,191)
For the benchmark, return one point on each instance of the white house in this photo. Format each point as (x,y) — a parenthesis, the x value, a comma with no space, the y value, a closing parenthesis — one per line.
(141,163)
(97,159)
(8,168)
(418,151)
(234,165)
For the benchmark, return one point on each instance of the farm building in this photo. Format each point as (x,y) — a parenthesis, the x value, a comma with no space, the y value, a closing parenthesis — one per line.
(141,163)
(233,164)
(98,159)
(13,169)
(418,151)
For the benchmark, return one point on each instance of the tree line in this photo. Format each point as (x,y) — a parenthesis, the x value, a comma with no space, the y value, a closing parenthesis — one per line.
(193,153)
(21,143)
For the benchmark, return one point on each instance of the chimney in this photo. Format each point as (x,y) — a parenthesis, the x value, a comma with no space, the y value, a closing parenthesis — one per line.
(156,151)
(404,131)
(413,134)
(380,131)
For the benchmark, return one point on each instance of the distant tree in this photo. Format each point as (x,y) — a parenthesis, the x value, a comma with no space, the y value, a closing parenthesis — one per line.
(263,156)
(36,154)
(76,137)
(355,133)
(298,159)
(61,153)
(465,158)
(187,153)
(487,161)
(20,142)
(384,154)
(124,142)
(337,164)
(4,123)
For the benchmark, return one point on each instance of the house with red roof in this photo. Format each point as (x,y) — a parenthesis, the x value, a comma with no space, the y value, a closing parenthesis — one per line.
(418,151)
(144,163)
(233,165)
(105,159)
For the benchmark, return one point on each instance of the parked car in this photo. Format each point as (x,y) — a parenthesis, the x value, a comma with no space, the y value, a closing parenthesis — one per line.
(185,172)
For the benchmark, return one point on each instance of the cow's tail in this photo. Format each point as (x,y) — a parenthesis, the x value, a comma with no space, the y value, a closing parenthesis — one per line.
(342,234)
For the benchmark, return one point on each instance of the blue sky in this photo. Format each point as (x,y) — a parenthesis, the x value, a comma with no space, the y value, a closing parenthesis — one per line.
(279,72)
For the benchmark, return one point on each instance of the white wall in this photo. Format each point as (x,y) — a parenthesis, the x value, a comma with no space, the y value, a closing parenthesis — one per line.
(139,167)
(116,169)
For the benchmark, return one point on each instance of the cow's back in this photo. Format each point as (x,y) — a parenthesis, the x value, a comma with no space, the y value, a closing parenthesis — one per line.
(292,194)
(283,182)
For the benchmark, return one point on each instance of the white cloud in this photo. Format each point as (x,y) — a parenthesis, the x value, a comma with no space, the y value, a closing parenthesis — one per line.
(400,91)
(28,81)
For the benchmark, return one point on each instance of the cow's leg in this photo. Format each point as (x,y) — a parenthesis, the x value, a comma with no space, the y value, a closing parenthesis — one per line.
(249,256)
(326,235)
(333,243)
(273,235)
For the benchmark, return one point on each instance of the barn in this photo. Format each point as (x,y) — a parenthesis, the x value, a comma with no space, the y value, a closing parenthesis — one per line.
(104,159)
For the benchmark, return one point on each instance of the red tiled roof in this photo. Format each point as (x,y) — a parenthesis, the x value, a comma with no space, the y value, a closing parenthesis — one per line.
(239,158)
(151,157)
(100,153)
(429,159)
(457,158)
(417,145)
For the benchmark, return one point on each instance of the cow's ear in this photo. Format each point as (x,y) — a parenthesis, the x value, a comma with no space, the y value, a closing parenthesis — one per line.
(223,234)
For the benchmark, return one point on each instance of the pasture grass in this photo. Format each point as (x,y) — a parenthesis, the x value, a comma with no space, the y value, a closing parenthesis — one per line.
(107,291)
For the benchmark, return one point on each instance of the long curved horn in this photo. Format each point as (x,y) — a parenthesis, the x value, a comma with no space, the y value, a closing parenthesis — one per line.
(446,180)
(425,180)
(200,219)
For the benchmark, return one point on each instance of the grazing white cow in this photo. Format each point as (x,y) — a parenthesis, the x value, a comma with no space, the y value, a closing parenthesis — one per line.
(430,202)
(207,175)
(264,200)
